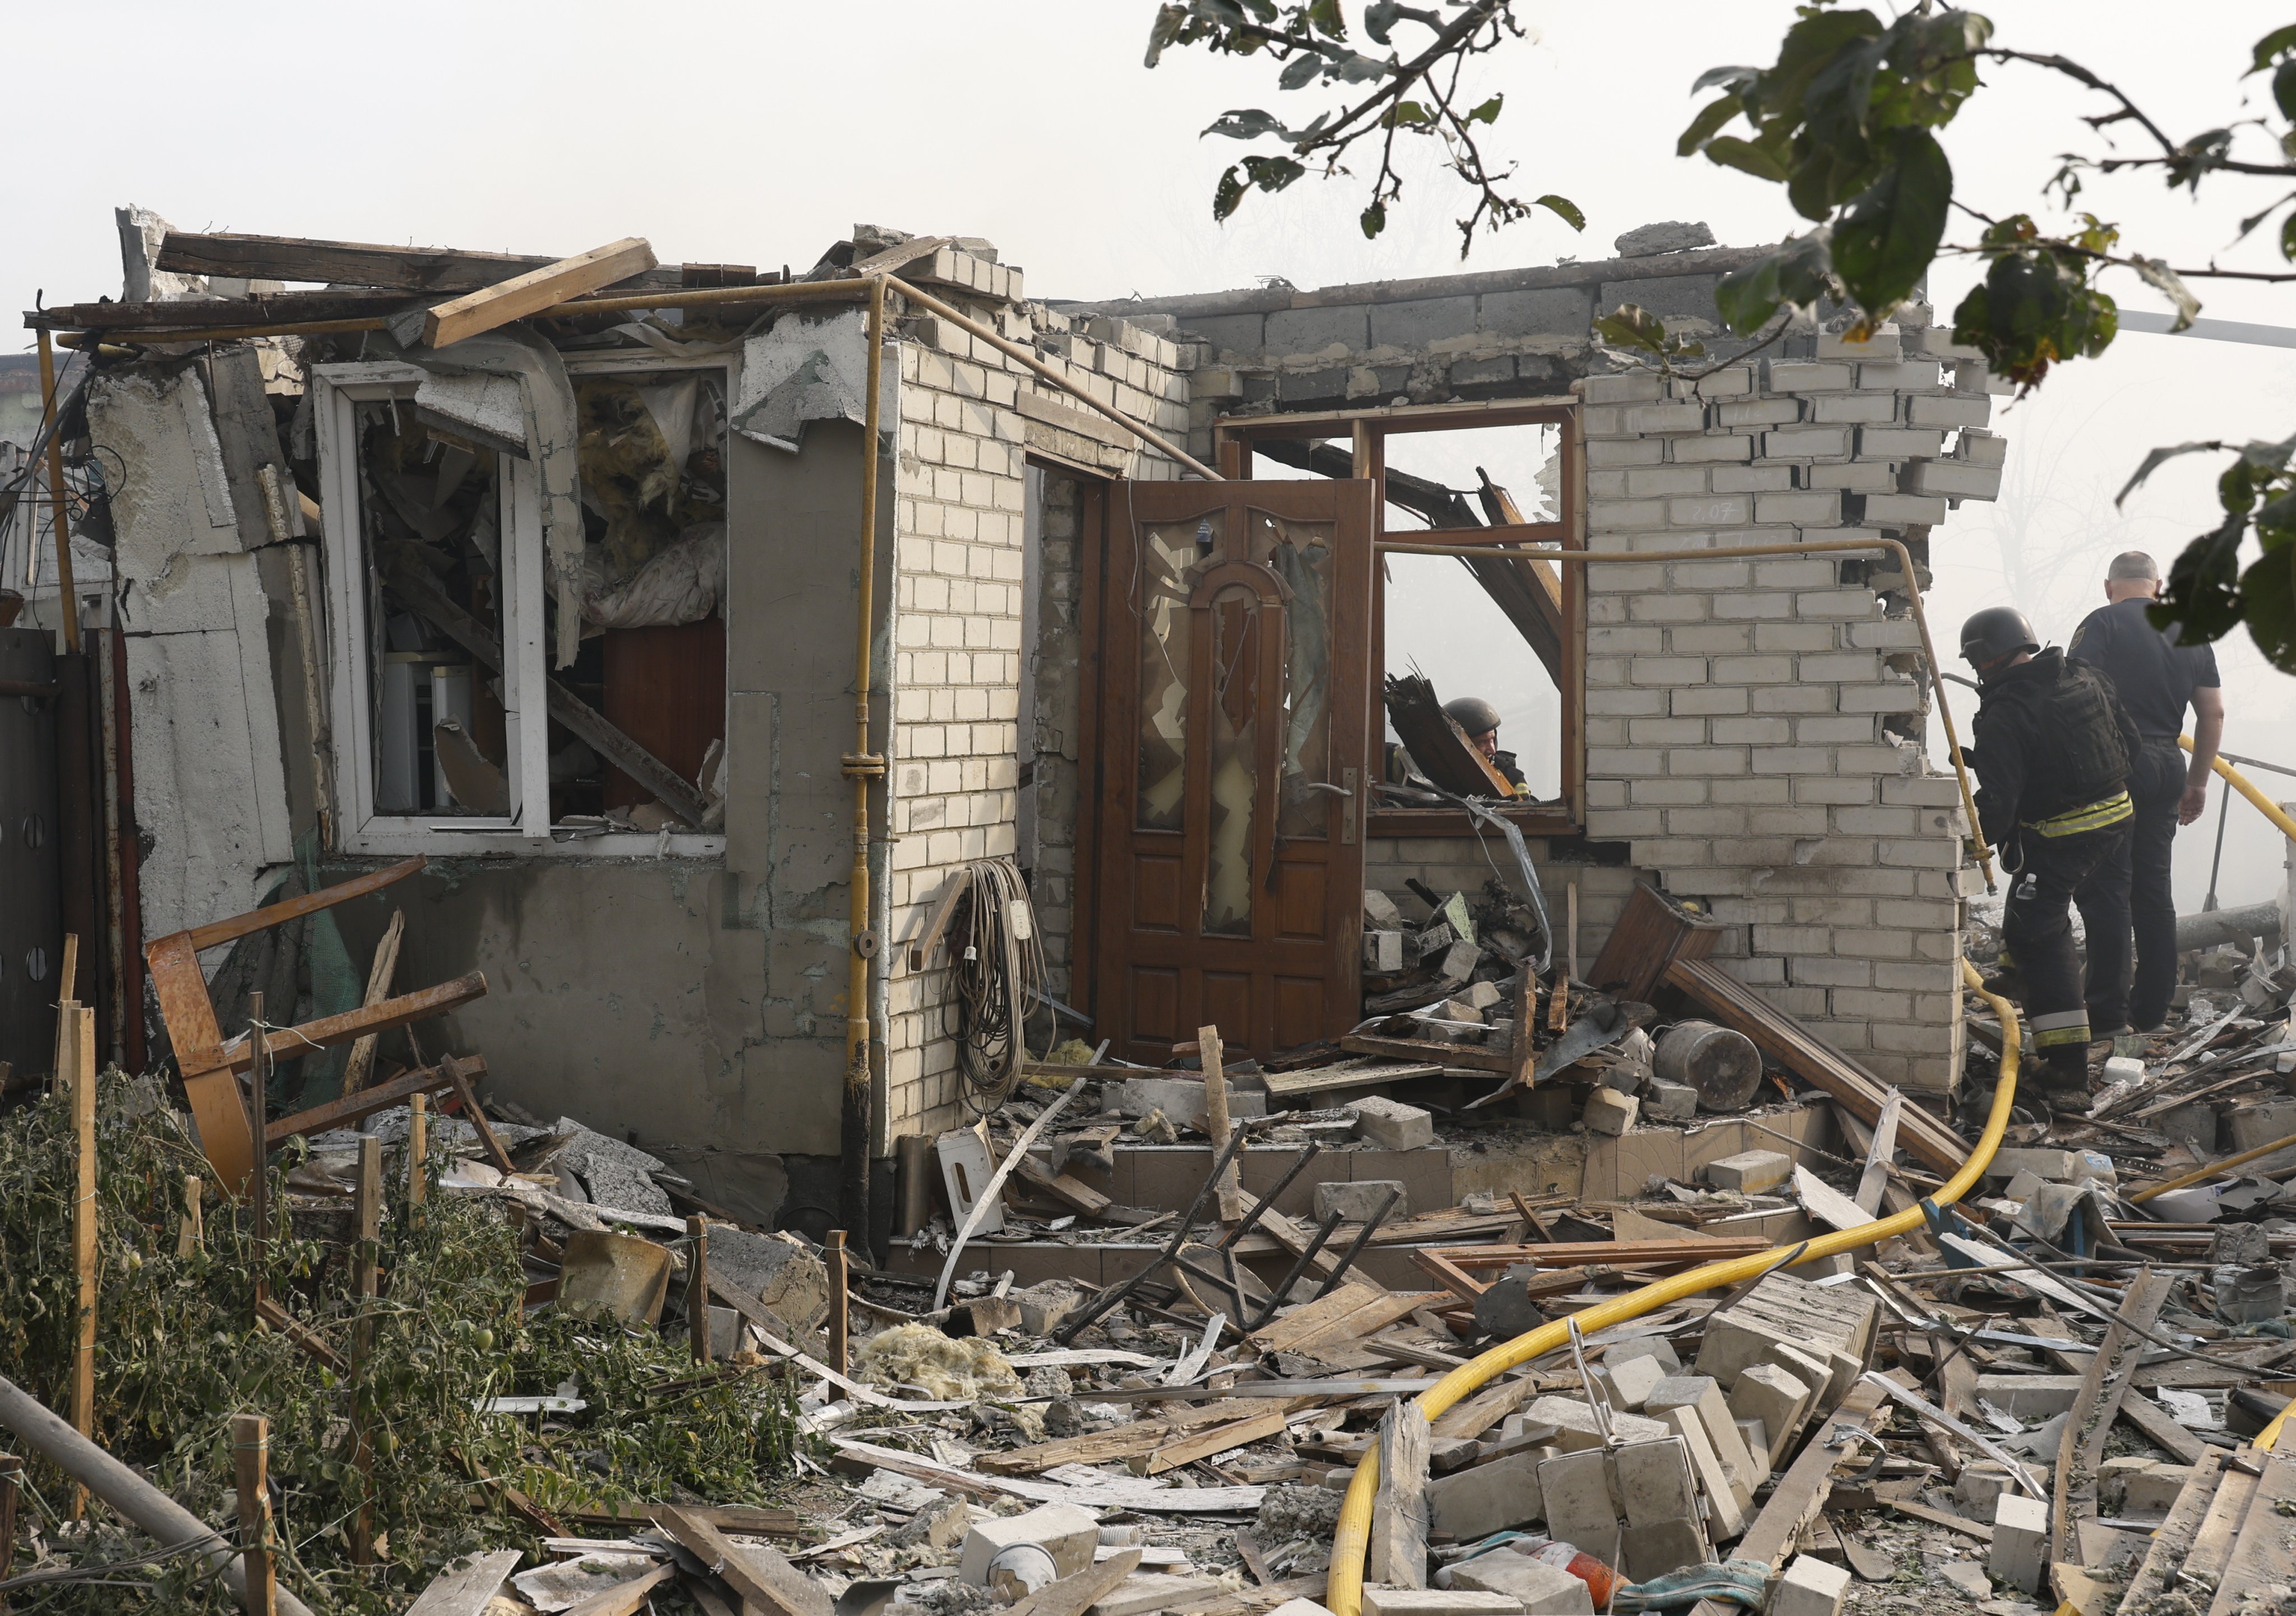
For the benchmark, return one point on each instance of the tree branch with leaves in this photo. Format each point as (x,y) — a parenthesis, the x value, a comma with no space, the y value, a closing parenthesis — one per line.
(1418,96)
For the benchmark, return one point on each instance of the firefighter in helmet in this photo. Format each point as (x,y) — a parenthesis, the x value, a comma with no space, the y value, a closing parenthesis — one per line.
(1480,721)
(2052,755)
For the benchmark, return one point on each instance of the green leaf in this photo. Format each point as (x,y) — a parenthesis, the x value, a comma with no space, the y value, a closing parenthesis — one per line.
(2161,278)
(1884,243)
(1488,112)
(1744,155)
(2154,461)
(1354,67)
(1799,272)
(1380,19)
(2202,598)
(1408,114)
(1227,196)
(1733,77)
(1631,326)
(1710,117)
(1328,19)
(2279,42)
(2268,601)
(1564,208)
(1299,70)
(1375,220)
(1272,173)
(2288,238)
(1245,123)
(2283,87)
(1166,30)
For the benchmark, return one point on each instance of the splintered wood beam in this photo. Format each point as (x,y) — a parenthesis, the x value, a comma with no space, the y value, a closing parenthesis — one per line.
(356,1107)
(280,308)
(421,269)
(535,291)
(671,788)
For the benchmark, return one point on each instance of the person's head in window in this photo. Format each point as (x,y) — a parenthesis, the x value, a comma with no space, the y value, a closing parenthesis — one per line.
(1479,719)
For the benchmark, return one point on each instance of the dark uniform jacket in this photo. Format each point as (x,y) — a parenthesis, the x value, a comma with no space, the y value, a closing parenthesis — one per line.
(2050,739)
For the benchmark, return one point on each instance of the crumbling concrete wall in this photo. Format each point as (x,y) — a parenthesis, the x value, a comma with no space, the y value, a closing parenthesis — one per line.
(1753,726)
(970,421)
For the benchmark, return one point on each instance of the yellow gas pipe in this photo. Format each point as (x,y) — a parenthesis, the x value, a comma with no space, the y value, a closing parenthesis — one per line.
(1344,1595)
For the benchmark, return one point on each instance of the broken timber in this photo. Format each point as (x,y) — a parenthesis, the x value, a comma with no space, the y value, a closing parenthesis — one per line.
(537,289)
(421,269)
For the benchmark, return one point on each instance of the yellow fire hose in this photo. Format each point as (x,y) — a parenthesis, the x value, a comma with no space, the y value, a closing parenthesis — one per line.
(1344,1596)
(2241,783)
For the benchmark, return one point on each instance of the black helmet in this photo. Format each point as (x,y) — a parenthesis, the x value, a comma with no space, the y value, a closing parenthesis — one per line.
(1994,634)
(1474,714)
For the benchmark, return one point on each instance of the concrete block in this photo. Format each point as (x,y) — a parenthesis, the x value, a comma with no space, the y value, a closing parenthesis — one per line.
(1379,910)
(1610,1112)
(1750,1171)
(1635,388)
(2123,1069)
(1671,1102)
(1664,1545)
(1702,1395)
(1354,1203)
(1144,1592)
(1300,1607)
(1810,1587)
(2153,1490)
(1582,1504)
(1657,1348)
(1904,510)
(1382,951)
(1438,1602)
(1573,1423)
(1538,1587)
(1756,1438)
(1631,1383)
(1768,1393)
(1950,410)
(2256,1124)
(1726,1516)
(1800,376)
(1484,1499)
(1392,1124)
(1978,1488)
(1954,479)
(1882,348)
(2112,1481)
(2054,1166)
(1654,1483)
(2020,1542)
(1064,1531)
(1181,1099)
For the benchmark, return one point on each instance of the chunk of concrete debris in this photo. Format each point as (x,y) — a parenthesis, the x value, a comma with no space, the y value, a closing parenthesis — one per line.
(779,1269)
(1144,1592)
(615,1173)
(1459,960)
(1535,1586)
(1506,1308)
(1065,1531)
(1657,1348)
(1982,1482)
(938,1524)
(1182,1099)
(1379,910)
(1701,1394)
(1457,1011)
(1287,1511)
(1654,1483)
(1667,235)
(1750,1171)
(1439,1602)
(1810,1587)
(1573,1421)
(1392,1124)
(1632,1380)
(1484,995)
(1609,1113)
(1382,952)
(1487,1497)
(1768,1393)
(2123,1069)
(1356,1202)
(1045,1305)
(2031,1398)
(1582,1504)
(1299,1607)
(2020,1542)
(1724,1514)
(1670,1102)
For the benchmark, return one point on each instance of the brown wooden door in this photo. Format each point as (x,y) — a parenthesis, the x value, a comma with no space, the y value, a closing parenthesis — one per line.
(1231,762)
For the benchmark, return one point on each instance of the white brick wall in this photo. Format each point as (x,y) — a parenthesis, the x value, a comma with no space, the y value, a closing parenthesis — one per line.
(959,496)
(1740,733)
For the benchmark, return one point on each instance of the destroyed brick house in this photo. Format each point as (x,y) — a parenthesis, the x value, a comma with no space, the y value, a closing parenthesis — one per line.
(339,590)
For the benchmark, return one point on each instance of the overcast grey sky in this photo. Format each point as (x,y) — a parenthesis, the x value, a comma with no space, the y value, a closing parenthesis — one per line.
(761,133)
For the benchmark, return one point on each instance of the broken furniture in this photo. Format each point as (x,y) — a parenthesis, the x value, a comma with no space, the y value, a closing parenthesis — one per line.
(210,1067)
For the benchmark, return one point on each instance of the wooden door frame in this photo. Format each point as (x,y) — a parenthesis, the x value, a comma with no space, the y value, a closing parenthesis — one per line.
(1369,430)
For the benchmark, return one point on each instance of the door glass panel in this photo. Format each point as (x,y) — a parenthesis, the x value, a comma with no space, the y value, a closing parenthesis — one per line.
(1160,595)
(1301,554)
(1234,723)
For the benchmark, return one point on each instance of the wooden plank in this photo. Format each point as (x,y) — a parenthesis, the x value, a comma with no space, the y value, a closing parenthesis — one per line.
(238,1054)
(429,269)
(1346,1074)
(1074,1595)
(2159,1427)
(82,1223)
(749,1520)
(464,1588)
(2205,1562)
(384,967)
(1826,1203)
(1681,1252)
(894,260)
(1781,1039)
(225,1134)
(251,1456)
(355,1108)
(1436,1265)
(623,1599)
(1397,1555)
(2262,1553)
(1651,934)
(2080,1449)
(1472,1057)
(270,309)
(1485,1410)
(1228,1192)
(1946,1518)
(215,932)
(2173,1539)
(1219,1438)
(475,1113)
(1294,1325)
(761,1575)
(537,289)
(1372,1314)
(1093,1447)
(1076,1196)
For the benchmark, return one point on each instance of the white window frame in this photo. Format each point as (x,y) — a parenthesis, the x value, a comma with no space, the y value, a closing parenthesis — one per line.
(337,391)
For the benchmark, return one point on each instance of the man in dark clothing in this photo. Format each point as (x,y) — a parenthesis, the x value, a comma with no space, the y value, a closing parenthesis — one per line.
(2051,759)
(2155,680)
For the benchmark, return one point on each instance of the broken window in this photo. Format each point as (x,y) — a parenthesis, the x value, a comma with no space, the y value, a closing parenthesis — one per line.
(502,684)
(1503,629)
